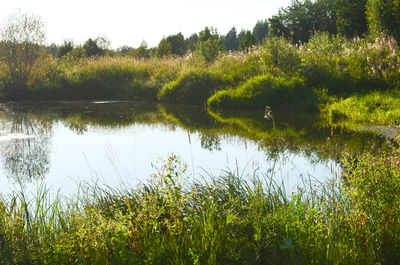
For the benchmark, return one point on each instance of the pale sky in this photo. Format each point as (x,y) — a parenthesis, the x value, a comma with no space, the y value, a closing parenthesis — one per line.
(127,22)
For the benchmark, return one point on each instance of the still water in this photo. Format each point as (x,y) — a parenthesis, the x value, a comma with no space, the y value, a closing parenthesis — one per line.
(120,144)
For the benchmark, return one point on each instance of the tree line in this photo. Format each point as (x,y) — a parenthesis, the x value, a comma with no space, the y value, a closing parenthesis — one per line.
(297,22)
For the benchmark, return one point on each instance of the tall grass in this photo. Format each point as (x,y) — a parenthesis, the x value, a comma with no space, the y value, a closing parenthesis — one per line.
(329,66)
(230,219)
(277,92)
(373,107)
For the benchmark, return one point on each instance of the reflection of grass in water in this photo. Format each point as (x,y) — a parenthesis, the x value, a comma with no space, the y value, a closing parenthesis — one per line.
(231,219)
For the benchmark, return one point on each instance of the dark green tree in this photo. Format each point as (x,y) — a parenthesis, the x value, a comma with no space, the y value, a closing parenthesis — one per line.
(384,17)
(231,40)
(247,41)
(65,48)
(92,48)
(351,18)
(142,52)
(260,30)
(164,48)
(52,49)
(209,44)
(191,42)
(302,18)
(172,45)
(178,44)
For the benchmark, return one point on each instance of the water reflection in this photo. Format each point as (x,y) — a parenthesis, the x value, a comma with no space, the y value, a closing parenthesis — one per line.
(28,156)
(25,147)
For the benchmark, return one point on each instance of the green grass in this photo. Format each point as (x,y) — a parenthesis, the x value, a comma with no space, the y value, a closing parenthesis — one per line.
(374,107)
(267,90)
(279,74)
(228,219)
(193,87)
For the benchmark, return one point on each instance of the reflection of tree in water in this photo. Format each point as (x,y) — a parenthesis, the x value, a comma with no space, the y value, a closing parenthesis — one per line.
(210,142)
(25,159)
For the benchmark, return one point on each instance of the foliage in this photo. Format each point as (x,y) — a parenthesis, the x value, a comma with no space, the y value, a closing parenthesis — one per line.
(384,17)
(266,90)
(209,45)
(229,219)
(191,42)
(231,40)
(260,30)
(303,18)
(22,39)
(374,107)
(172,45)
(92,48)
(373,182)
(105,78)
(248,41)
(351,19)
(281,57)
(65,48)
(193,87)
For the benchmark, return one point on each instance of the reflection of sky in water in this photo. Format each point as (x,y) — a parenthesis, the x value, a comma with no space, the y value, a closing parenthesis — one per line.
(125,156)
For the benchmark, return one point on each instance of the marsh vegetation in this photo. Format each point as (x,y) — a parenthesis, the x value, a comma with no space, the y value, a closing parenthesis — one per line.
(325,69)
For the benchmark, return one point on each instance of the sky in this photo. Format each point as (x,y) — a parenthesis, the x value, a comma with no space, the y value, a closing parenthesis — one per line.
(129,22)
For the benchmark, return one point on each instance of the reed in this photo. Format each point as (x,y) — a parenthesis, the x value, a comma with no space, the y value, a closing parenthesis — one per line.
(226,219)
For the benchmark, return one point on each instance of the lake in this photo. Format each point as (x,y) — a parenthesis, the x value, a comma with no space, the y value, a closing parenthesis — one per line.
(121,144)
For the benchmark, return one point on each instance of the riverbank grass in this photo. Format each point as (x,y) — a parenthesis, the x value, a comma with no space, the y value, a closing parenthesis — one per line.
(374,107)
(229,219)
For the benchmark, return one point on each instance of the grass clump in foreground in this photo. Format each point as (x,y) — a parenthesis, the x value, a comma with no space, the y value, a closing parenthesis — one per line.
(374,107)
(227,220)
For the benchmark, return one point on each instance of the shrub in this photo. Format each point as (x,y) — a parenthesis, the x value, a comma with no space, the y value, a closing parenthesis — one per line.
(277,92)
(373,182)
(281,57)
(193,87)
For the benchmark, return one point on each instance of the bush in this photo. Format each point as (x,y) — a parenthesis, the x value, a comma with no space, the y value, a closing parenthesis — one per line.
(373,182)
(281,57)
(193,87)
(267,90)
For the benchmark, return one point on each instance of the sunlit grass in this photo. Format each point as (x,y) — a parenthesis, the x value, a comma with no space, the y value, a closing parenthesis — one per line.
(228,219)
(375,107)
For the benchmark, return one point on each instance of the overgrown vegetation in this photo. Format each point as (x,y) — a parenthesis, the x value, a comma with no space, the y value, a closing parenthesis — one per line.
(310,54)
(229,219)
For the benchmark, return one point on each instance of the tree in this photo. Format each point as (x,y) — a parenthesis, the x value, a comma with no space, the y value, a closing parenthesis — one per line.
(65,48)
(209,45)
(384,17)
(164,48)
(22,44)
(178,44)
(191,42)
(231,40)
(52,49)
(351,19)
(172,45)
(142,52)
(260,30)
(303,18)
(92,48)
(247,41)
